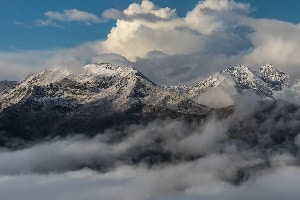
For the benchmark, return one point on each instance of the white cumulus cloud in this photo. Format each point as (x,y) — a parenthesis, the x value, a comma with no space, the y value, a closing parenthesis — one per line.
(146,27)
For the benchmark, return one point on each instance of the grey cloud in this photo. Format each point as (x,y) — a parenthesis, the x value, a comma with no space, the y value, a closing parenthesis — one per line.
(120,15)
(235,41)
(114,14)
(198,180)
(57,156)
(186,28)
(142,184)
(182,69)
(113,59)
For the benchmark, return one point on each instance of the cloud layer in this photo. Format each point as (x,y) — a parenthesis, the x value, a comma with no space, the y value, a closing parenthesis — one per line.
(133,163)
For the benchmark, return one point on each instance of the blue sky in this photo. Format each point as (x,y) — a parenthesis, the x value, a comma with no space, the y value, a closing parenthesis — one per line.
(19,31)
(170,41)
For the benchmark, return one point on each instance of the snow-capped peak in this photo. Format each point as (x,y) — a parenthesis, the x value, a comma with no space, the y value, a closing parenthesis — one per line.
(106,69)
(272,76)
(22,89)
(266,82)
(241,73)
(268,69)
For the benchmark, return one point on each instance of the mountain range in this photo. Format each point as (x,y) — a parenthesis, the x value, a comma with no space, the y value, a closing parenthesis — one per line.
(56,102)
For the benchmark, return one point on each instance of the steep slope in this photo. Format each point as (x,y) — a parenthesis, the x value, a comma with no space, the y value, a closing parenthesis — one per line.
(274,79)
(58,102)
(33,84)
(5,85)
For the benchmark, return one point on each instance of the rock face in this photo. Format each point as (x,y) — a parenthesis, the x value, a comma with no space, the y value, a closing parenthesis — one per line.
(58,102)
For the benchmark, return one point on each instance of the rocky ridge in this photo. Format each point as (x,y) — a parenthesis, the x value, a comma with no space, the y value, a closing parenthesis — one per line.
(56,101)
(267,82)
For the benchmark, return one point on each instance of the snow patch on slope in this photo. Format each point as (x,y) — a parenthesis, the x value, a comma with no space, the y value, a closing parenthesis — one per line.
(103,84)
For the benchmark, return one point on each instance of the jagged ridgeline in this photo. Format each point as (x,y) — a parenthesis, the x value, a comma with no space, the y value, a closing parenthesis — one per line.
(57,102)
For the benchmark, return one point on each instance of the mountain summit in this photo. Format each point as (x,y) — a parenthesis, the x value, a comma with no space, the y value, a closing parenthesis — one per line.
(57,102)
(267,82)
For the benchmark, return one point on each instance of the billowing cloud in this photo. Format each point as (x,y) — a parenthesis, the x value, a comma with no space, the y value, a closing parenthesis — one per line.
(275,42)
(145,28)
(211,15)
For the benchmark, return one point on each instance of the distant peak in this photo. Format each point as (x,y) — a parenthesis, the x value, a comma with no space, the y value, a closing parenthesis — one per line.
(268,69)
(239,73)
